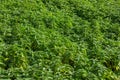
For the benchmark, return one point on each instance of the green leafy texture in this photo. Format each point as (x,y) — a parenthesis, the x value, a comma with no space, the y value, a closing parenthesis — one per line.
(60,39)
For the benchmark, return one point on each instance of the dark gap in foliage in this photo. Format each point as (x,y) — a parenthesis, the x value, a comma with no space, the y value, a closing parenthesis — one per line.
(13,77)
(110,64)
(9,39)
(67,60)
(113,18)
(35,46)
(86,14)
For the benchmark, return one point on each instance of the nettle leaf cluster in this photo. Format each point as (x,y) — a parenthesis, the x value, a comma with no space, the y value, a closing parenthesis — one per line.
(60,39)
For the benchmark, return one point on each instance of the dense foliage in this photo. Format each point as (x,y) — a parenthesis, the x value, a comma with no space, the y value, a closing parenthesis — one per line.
(60,39)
